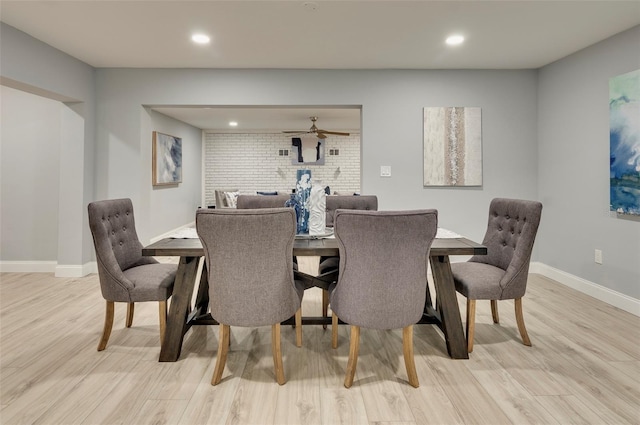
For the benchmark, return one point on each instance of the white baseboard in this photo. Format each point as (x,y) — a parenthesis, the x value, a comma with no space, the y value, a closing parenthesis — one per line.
(76,271)
(48,267)
(66,270)
(28,266)
(170,232)
(599,292)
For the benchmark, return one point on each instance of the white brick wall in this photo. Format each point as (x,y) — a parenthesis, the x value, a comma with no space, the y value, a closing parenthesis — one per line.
(250,162)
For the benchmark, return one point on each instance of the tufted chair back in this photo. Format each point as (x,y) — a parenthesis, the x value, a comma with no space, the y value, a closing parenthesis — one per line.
(261,201)
(117,246)
(511,232)
(342,202)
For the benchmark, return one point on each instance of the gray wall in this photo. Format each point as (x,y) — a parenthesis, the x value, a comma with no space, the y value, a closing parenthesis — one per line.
(392,103)
(177,203)
(573,175)
(32,66)
(29,170)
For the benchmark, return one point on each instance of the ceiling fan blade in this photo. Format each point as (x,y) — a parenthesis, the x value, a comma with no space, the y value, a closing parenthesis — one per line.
(321,135)
(296,132)
(335,133)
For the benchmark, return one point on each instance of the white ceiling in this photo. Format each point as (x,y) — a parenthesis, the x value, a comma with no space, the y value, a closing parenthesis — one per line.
(328,34)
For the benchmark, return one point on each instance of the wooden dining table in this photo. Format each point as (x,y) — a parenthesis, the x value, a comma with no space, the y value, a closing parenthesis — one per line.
(184,313)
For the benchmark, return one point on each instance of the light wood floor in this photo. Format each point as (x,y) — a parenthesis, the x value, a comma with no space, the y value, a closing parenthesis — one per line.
(583,366)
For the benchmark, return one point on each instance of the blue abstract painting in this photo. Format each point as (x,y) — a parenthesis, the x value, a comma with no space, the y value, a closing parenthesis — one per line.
(624,137)
(167,159)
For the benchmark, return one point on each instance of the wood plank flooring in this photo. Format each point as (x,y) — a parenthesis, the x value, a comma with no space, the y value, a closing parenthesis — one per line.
(583,367)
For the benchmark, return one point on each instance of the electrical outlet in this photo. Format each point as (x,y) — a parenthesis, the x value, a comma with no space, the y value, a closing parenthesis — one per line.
(598,256)
(385,171)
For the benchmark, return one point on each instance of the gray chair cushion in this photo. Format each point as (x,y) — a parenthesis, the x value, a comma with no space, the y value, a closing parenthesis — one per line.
(478,281)
(118,250)
(249,256)
(383,266)
(511,232)
(151,282)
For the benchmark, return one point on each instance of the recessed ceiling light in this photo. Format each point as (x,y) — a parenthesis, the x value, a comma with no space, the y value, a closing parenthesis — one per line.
(233,123)
(200,38)
(454,40)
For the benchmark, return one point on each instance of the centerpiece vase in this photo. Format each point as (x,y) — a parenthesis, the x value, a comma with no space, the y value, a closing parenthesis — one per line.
(292,202)
(303,193)
(317,209)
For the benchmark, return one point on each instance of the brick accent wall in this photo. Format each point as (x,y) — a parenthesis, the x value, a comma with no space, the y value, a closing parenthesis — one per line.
(251,162)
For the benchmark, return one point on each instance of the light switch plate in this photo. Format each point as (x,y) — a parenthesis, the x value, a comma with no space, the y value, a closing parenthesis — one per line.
(598,256)
(385,171)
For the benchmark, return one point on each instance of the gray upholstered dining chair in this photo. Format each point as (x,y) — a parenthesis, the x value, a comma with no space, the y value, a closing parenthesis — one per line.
(335,202)
(248,253)
(343,202)
(251,202)
(502,273)
(382,280)
(125,275)
(261,201)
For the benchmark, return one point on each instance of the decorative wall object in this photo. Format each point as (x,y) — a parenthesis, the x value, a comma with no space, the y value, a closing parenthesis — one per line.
(303,192)
(167,159)
(452,146)
(307,150)
(624,140)
(317,209)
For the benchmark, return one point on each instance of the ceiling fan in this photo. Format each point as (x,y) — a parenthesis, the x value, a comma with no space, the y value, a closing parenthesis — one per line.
(322,134)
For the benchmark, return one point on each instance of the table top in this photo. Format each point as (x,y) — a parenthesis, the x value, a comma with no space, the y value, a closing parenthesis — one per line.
(170,247)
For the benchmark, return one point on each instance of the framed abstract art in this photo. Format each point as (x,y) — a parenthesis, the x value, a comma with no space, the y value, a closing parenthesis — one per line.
(452,146)
(624,143)
(167,159)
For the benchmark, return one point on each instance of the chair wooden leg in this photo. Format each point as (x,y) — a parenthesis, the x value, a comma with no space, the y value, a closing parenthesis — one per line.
(162,314)
(277,353)
(223,348)
(520,320)
(354,345)
(299,328)
(334,330)
(494,311)
(108,324)
(407,350)
(471,323)
(325,305)
(130,308)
